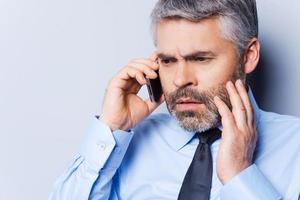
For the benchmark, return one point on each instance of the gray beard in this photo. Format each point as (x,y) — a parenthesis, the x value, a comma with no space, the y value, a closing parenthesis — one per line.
(197,121)
(208,117)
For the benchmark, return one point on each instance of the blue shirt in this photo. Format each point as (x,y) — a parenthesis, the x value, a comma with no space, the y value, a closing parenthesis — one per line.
(150,162)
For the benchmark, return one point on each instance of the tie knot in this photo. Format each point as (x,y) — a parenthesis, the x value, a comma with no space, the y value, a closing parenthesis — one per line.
(209,136)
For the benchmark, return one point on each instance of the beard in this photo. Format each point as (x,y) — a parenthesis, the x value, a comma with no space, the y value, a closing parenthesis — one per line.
(208,116)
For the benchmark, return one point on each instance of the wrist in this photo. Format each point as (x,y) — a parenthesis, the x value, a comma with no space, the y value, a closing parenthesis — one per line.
(227,175)
(112,126)
(100,118)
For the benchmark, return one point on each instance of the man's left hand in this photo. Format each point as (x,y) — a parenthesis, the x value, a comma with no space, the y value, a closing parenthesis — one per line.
(239,132)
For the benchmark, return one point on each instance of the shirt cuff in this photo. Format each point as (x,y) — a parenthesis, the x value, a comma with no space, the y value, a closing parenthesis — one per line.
(250,184)
(102,145)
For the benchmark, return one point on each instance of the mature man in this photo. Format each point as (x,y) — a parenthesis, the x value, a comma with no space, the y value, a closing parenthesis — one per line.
(215,143)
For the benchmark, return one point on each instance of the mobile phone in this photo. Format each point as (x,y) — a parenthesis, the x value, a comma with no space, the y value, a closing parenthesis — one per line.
(154,88)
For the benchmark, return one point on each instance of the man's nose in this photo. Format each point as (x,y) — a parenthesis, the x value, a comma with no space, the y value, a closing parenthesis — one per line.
(184,75)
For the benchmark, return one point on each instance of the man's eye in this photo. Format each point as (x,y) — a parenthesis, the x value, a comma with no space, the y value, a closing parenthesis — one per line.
(165,61)
(200,59)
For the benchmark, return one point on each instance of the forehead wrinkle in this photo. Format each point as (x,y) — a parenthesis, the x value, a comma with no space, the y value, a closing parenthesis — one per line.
(190,54)
(177,54)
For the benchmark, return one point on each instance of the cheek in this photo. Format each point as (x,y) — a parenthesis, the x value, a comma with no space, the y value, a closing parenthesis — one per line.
(219,73)
(166,79)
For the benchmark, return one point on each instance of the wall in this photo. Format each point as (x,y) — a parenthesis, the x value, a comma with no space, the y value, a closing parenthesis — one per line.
(57,56)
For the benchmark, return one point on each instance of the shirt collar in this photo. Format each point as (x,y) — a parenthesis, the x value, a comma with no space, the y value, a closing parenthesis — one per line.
(177,138)
(254,106)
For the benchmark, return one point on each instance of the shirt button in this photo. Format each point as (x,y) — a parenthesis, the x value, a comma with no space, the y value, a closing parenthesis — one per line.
(101,146)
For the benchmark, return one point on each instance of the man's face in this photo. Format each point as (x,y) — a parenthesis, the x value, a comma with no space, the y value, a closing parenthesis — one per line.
(195,64)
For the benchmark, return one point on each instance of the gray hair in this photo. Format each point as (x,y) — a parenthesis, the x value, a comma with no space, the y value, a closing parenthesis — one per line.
(237,18)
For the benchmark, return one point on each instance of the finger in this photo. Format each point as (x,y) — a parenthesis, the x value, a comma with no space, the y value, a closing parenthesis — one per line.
(154,56)
(238,109)
(246,101)
(147,71)
(145,65)
(151,64)
(130,72)
(153,105)
(227,117)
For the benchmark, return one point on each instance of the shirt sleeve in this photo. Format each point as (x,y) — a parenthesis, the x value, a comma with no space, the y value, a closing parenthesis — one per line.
(91,173)
(250,184)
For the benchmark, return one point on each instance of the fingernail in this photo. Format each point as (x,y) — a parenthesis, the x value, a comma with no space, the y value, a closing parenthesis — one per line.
(152,73)
(239,82)
(230,84)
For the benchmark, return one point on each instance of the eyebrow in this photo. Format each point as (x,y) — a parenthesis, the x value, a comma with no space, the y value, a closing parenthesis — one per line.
(187,56)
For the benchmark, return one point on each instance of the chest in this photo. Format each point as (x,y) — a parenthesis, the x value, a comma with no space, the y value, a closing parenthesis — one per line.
(157,172)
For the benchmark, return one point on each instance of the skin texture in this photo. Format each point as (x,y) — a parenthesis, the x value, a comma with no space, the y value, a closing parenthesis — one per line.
(177,40)
(212,64)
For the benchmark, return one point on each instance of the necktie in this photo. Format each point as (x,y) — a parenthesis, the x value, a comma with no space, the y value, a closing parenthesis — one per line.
(197,181)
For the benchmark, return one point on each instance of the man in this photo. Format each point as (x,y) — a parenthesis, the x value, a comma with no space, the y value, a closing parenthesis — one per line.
(215,144)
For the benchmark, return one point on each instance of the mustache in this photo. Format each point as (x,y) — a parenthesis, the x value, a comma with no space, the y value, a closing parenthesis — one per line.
(205,97)
(202,97)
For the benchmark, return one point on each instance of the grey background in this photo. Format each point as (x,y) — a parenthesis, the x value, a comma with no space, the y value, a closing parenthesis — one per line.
(56,57)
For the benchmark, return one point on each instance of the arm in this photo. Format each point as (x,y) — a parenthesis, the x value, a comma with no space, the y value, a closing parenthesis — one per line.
(240,177)
(91,173)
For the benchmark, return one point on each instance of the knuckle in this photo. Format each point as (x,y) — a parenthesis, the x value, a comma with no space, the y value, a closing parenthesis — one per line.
(133,60)
(243,109)
(111,81)
(229,116)
(139,74)
(127,69)
(251,109)
(120,71)
(247,104)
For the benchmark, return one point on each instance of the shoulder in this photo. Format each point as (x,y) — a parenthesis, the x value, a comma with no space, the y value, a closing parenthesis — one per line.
(154,122)
(150,133)
(276,130)
(285,123)
(278,146)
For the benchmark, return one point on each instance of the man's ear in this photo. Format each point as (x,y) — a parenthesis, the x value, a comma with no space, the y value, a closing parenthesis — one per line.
(251,56)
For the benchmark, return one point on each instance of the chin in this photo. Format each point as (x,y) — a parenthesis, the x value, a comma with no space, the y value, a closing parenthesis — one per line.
(197,121)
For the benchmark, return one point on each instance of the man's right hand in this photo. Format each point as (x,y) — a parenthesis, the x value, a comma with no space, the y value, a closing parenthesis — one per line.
(122,108)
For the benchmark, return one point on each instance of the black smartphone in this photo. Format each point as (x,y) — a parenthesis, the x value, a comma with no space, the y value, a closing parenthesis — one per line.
(154,88)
